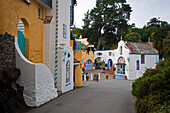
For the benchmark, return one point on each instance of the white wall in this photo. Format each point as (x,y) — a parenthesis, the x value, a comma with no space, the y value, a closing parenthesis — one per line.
(36,79)
(150,62)
(64,18)
(105,55)
(61,80)
(49,39)
(64,46)
(125,55)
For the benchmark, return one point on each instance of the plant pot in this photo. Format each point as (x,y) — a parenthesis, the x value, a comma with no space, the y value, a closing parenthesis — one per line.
(87,78)
(107,77)
(125,77)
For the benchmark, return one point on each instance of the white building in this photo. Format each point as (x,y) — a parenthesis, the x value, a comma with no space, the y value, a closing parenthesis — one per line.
(58,54)
(130,58)
(42,81)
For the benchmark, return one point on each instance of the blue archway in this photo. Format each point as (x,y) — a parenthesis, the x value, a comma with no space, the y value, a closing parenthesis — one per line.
(110,63)
(89,65)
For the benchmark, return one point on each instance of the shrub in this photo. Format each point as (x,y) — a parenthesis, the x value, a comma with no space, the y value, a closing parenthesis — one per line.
(153,89)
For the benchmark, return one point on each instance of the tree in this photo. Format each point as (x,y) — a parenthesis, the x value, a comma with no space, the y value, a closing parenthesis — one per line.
(107,18)
(133,36)
(156,22)
(166,46)
(158,38)
(148,33)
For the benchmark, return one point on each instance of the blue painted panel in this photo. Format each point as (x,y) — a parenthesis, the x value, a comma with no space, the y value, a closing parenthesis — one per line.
(75,45)
(119,76)
(21,42)
(108,65)
(89,65)
(137,63)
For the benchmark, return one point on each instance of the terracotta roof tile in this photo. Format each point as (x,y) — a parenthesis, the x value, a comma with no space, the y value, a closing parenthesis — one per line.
(141,47)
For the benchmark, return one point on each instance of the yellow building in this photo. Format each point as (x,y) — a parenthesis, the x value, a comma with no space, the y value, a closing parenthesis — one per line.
(83,49)
(28,17)
(82,58)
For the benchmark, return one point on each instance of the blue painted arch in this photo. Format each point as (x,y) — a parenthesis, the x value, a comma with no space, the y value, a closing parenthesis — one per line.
(89,65)
(110,63)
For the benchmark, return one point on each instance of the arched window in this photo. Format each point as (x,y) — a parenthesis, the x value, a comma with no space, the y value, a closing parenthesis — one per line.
(137,65)
(68,71)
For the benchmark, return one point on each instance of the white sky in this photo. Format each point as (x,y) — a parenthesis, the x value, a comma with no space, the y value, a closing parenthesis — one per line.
(143,10)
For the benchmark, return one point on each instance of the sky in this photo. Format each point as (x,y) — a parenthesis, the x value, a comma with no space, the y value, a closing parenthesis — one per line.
(143,11)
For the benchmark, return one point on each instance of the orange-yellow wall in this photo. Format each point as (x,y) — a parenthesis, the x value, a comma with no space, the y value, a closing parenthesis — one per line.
(10,13)
(87,56)
(71,44)
(83,55)
(78,76)
(78,55)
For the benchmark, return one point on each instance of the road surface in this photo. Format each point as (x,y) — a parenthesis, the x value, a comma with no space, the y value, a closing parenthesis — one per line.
(106,96)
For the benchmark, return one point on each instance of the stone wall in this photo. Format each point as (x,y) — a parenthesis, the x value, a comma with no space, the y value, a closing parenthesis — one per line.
(7,52)
(11,94)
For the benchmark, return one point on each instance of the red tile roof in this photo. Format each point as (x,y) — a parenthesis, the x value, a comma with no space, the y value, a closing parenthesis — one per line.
(141,47)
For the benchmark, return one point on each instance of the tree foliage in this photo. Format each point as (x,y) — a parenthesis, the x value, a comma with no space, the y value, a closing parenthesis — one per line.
(108,18)
(166,46)
(133,36)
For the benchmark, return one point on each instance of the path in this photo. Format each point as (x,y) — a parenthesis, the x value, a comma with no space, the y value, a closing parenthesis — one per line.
(107,96)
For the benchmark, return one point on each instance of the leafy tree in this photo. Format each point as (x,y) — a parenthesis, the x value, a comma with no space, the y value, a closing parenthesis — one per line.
(158,38)
(76,32)
(148,33)
(107,18)
(166,46)
(156,22)
(133,36)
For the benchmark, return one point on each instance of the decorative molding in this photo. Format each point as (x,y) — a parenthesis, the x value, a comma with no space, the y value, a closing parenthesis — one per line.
(56,46)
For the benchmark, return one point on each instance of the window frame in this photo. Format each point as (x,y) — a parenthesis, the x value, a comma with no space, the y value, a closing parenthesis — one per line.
(39,12)
(120,50)
(68,66)
(142,59)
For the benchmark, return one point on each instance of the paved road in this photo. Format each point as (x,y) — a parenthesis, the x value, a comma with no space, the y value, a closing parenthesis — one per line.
(106,96)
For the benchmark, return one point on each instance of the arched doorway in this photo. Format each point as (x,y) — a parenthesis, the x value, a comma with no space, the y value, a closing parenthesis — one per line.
(97,62)
(110,64)
(120,66)
(21,37)
(89,65)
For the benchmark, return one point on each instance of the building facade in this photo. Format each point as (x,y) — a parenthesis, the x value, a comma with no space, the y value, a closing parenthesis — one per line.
(43,52)
(130,58)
